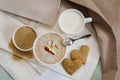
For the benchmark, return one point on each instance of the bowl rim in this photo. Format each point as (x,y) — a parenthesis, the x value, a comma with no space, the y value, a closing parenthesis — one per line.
(13,40)
(43,63)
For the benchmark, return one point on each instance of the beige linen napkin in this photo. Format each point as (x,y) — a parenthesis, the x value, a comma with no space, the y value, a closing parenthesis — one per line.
(106,16)
(40,10)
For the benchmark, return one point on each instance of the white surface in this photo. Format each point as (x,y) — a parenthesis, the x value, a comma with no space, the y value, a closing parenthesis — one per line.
(20,71)
(87,70)
(50,75)
(8,25)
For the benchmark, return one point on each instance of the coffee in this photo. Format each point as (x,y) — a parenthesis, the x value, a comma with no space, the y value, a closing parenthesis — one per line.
(49,49)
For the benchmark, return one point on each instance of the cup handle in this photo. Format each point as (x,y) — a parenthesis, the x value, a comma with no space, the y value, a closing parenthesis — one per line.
(87,20)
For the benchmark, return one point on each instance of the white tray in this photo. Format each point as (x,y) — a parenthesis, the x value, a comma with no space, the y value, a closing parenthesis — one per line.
(9,24)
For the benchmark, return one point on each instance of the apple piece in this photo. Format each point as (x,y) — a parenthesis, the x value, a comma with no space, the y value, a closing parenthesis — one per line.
(48,49)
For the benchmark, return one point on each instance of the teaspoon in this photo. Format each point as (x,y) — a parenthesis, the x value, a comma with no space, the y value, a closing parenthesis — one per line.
(70,41)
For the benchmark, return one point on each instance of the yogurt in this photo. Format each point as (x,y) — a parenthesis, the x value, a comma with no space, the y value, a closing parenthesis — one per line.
(71,21)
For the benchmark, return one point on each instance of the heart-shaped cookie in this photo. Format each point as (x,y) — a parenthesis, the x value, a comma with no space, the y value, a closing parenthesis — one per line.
(70,65)
(82,53)
(78,57)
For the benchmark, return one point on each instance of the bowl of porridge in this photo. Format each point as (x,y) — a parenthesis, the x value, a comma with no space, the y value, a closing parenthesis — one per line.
(48,48)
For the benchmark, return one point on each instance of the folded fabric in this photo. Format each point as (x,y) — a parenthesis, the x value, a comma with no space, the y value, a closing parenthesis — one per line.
(4,75)
(19,71)
(40,10)
(23,70)
(106,19)
(50,74)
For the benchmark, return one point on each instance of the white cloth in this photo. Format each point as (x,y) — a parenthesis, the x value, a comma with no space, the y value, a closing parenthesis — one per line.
(19,70)
(9,24)
(50,75)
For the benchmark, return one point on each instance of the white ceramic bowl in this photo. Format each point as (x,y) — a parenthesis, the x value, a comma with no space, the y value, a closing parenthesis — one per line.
(13,40)
(34,52)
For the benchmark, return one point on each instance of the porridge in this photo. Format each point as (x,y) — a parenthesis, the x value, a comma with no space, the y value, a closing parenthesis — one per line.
(49,48)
